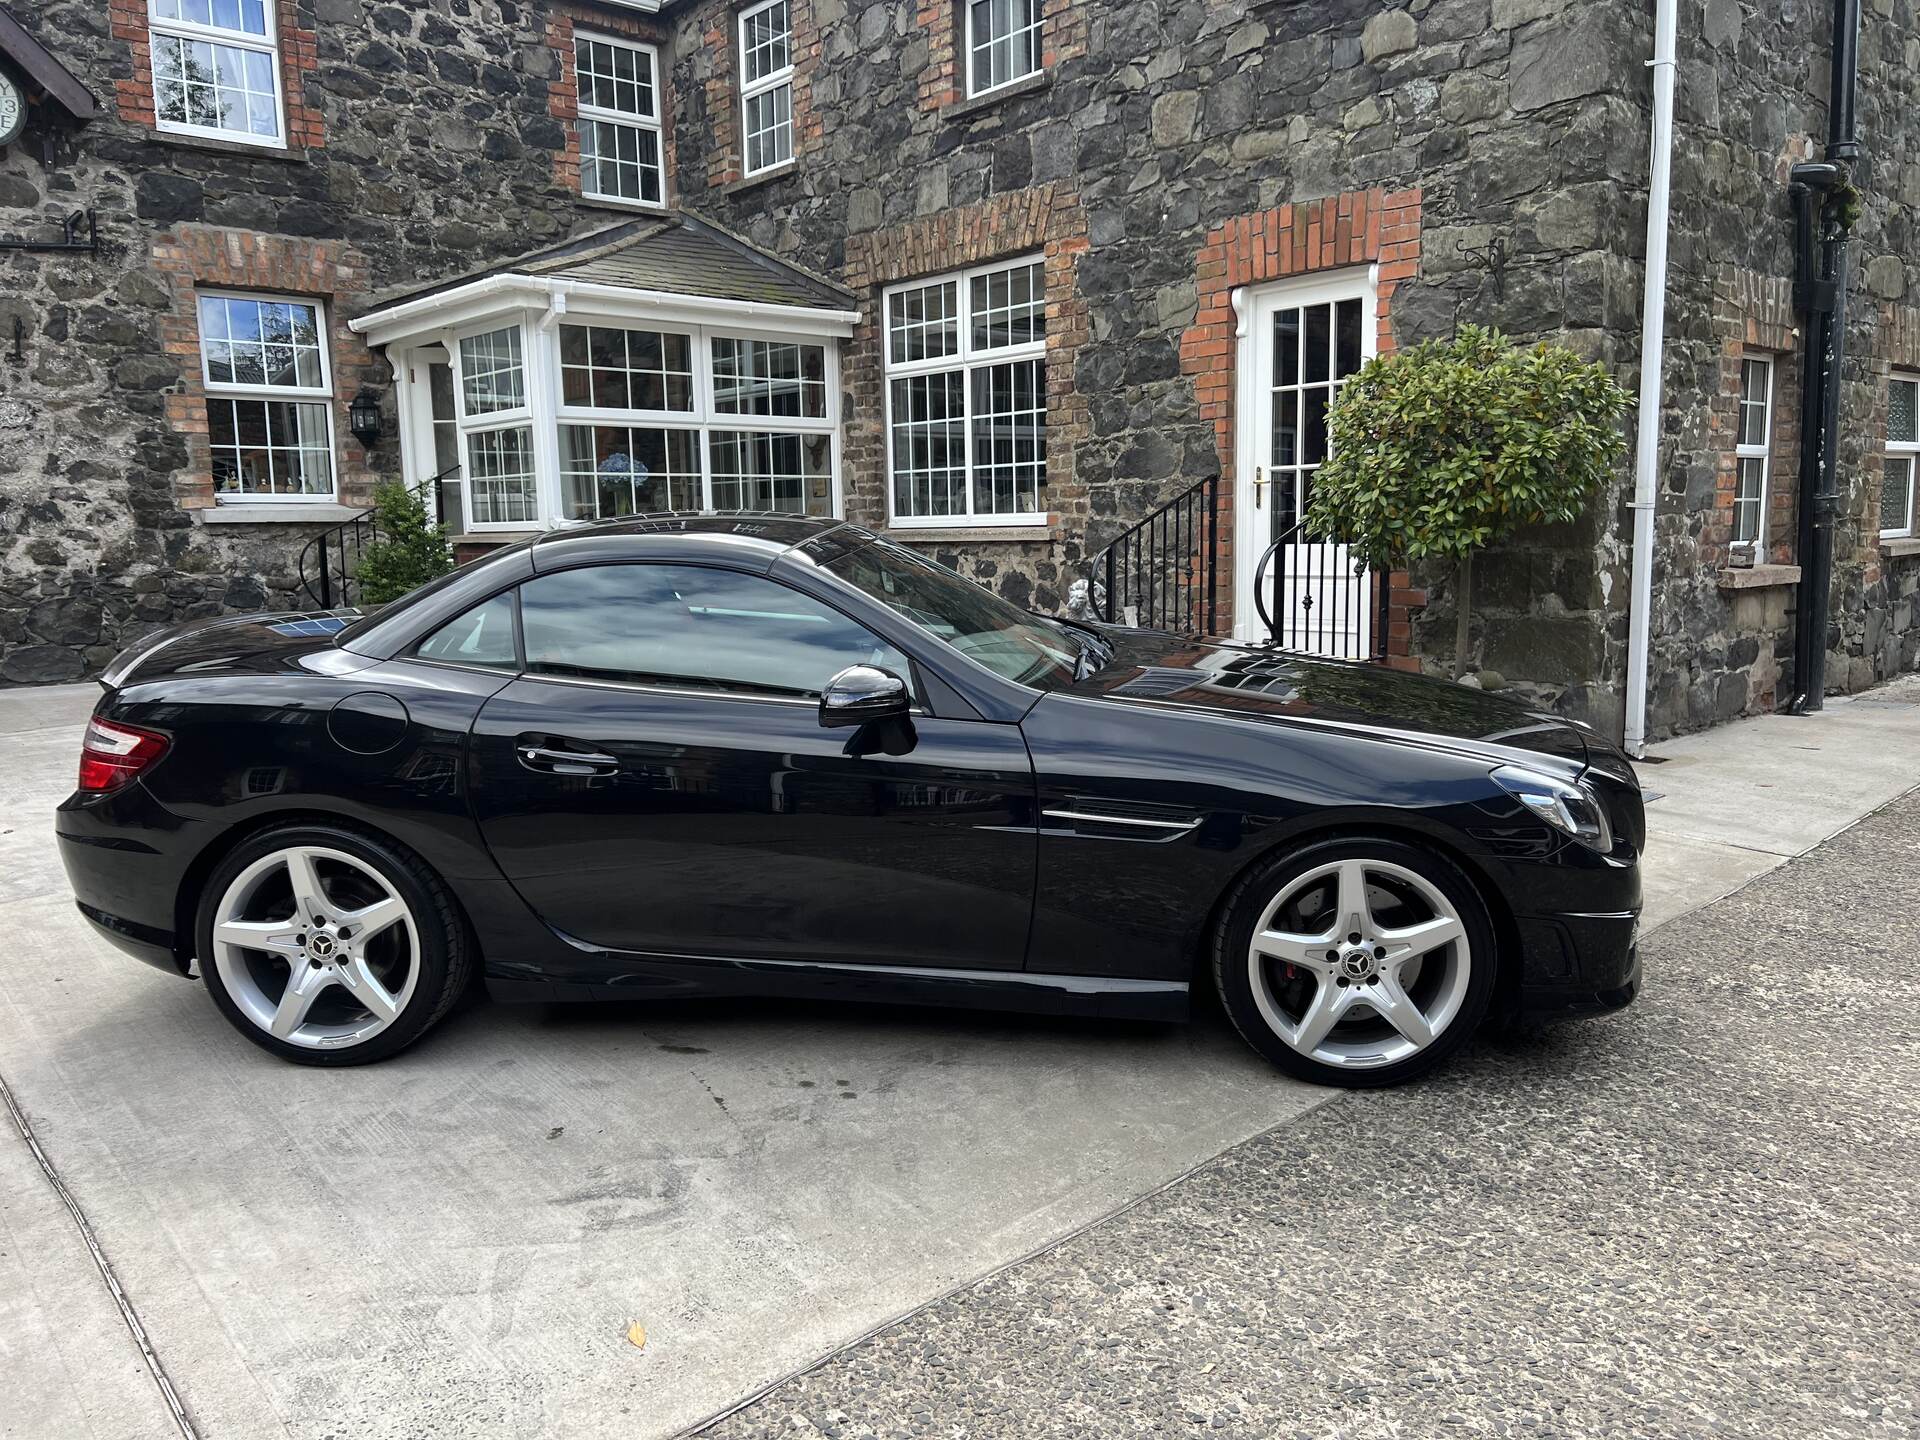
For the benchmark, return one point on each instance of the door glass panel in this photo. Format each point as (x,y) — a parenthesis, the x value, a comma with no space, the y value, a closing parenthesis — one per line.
(1286,348)
(1346,337)
(1314,431)
(1318,333)
(692,628)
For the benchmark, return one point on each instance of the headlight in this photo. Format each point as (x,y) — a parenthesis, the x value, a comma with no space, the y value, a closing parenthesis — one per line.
(1573,809)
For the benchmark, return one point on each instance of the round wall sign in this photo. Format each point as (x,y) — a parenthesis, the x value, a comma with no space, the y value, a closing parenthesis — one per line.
(13,109)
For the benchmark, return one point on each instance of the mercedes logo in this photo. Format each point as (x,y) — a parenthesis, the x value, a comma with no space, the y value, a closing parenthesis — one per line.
(1357,963)
(320,947)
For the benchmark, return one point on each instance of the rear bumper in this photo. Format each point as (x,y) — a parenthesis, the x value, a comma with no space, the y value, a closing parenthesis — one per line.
(125,856)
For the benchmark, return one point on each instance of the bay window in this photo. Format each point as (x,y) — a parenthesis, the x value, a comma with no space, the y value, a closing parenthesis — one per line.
(967,398)
(619,120)
(216,69)
(597,417)
(269,397)
(766,85)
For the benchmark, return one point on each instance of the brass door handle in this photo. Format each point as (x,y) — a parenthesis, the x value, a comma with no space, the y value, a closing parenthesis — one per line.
(1259,480)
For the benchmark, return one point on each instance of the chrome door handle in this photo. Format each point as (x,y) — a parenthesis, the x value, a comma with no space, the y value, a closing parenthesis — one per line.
(567,762)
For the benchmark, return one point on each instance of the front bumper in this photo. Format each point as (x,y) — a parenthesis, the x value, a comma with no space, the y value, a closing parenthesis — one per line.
(1578,964)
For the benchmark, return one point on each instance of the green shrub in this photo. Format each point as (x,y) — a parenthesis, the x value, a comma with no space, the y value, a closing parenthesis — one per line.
(1445,447)
(411,549)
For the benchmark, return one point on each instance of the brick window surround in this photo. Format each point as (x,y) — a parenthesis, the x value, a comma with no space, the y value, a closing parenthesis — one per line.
(943,81)
(1753,319)
(719,29)
(1360,227)
(197,257)
(306,128)
(1045,219)
(563,91)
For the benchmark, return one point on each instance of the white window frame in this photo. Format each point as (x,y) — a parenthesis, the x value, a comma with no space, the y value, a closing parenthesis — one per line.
(751,90)
(1908,450)
(586,113)
(965,360)
(523,416)
(321,394)
(268,45)
(1761,451)
(704,418)
(974,87)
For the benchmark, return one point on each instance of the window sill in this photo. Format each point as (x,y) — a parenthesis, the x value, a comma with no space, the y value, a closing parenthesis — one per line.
(1758,577)
(285,153)
(1895,545)
(748,182)
(972,105)
(319,513)
(974,535)
(619,206)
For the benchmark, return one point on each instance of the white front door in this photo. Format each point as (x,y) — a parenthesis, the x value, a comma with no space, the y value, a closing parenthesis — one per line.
(1299,341)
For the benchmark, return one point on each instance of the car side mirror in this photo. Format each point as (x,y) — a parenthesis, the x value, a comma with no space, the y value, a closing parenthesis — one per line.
(860,694)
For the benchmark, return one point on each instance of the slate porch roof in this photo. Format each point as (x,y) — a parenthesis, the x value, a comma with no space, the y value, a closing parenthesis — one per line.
(676,253)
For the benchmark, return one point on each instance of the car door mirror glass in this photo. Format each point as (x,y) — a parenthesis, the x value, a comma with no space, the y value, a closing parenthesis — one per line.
(861,694)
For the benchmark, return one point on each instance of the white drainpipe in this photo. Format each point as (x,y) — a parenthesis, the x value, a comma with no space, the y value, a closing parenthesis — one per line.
(1653,327)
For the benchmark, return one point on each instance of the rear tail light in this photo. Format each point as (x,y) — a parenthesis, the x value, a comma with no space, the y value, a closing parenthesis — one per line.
(115,754)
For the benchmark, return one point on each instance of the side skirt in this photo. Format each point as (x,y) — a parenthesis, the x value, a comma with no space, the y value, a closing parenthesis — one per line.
(629,976)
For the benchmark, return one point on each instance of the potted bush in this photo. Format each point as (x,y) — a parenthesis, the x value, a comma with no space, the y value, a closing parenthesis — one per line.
(411,549)
(1440,449)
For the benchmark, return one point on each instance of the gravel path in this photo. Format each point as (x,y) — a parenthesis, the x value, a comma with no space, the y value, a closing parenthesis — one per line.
(1697,1218)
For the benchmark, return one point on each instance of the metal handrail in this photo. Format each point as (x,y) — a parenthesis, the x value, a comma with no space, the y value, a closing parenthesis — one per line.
(363,530)
(1294,535)
(1181,534)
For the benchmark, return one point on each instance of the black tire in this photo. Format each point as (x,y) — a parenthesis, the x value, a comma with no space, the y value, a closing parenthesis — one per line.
(1265,882)
(446,951)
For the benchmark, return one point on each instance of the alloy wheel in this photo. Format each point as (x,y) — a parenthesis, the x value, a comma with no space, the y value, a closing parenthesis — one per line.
(1359,963)
(316,947)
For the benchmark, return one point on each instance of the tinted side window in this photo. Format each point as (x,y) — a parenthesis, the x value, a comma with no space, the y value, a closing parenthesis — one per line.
(482,636)
(685,626)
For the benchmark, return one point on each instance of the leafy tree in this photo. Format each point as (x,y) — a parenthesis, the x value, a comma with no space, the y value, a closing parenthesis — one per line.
(1440,449)
(411,549)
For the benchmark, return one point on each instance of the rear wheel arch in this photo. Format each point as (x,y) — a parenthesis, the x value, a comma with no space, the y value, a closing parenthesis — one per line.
(193,884)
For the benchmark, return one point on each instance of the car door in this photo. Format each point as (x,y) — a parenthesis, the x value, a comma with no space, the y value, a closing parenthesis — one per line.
(658,781)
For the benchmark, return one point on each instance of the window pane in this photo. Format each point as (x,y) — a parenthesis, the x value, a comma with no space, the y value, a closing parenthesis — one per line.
(1903,397)
(1756,381)
(619,162)
(614,77)
(751,470)
(924,323)
(261,342)
(215,87)
(769,128)
(269,447)
(765,377)
(1004,36)
(1009,438)
(1009,307)
(615,369)
(608,471)
(500,476)
(1346,338)
(768,36)
(1896,494)
(1748,497)
(482,636)
(492,373)
(930,445)
(691,627)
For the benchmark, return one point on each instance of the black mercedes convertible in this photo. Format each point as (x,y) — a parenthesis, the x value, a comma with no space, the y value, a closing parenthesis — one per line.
(760,755)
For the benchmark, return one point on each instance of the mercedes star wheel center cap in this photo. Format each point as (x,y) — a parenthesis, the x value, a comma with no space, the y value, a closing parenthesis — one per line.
(320,947)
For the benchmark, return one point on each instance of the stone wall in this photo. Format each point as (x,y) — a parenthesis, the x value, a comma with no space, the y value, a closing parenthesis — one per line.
(1752,83)
(1513,119)
(423,143)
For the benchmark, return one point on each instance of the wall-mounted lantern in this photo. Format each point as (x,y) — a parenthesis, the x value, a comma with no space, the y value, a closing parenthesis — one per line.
(363,418)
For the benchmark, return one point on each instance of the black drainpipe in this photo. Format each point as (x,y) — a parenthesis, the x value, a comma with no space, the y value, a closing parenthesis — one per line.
(1824,200)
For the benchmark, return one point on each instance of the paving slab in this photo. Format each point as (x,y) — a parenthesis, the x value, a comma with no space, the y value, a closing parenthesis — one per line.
(457,1241)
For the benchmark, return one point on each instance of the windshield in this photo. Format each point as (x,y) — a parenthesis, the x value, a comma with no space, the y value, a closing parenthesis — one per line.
(976,622)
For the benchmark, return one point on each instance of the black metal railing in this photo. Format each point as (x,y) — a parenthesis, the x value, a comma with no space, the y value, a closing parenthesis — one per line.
(329,563)
(1319,600)
(1162,573)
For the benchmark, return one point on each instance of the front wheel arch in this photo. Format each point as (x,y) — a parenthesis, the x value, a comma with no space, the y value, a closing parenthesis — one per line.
(1506,931)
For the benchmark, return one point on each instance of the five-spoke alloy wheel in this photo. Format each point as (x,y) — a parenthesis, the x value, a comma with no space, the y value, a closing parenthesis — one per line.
(1356,962)
(328,945)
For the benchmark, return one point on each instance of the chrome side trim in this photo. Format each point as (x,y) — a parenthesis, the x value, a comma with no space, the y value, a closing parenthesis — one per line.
(1181,825)
(664,690)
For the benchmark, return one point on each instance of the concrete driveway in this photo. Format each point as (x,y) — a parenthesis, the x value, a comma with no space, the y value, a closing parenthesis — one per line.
(457,1242)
